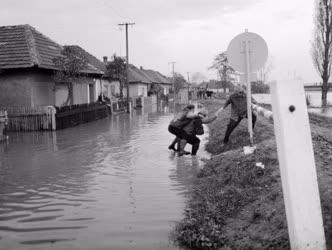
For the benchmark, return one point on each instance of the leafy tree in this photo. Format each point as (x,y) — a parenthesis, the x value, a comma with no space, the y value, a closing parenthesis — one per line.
(70,65)
(156,89)
(116,69)
(179,82)
(225,71)
(321,45)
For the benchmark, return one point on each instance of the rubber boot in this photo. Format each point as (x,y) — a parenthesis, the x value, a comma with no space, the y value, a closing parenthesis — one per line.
(172,146)
(195,148)
(182,145)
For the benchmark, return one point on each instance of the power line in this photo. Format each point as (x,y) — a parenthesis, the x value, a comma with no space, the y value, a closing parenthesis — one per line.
(116,12)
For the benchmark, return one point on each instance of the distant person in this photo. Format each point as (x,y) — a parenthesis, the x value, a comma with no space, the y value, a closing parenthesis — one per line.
(178,123)
(209,94)
(238,101)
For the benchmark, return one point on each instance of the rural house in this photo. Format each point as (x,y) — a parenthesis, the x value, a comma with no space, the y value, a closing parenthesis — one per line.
(158,79)
(139,82)
(106,84)
(27,71)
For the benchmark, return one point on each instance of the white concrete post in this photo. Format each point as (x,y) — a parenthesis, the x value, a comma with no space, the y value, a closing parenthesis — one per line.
(52,112)
(297,166)
(112,110)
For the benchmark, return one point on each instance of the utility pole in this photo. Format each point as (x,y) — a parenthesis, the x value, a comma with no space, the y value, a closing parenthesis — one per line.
(173,63)
(127,63)
(188,85)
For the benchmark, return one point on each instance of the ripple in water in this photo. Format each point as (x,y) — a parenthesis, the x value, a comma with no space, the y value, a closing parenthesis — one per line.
(110,184)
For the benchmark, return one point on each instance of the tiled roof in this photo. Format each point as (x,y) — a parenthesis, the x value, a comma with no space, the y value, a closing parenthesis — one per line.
(22,46)
(157,77)
(136,75)
(92,60)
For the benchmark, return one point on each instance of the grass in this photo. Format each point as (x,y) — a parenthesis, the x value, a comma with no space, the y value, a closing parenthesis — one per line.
(236,205)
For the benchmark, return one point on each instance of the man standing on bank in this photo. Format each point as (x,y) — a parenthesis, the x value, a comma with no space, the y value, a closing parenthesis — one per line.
(238,101)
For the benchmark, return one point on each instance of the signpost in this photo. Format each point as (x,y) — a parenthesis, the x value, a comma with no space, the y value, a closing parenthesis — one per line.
(247,53)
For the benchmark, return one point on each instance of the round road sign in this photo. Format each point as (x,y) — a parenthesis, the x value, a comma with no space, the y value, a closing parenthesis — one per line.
(236,52)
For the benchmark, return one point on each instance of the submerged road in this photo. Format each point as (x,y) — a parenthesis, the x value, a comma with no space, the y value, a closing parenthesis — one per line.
(109,184)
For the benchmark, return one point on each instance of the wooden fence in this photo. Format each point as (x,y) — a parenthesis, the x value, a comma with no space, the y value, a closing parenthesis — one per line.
(149,100)
(3,124)
(73,115)
(118,106)
(28,118)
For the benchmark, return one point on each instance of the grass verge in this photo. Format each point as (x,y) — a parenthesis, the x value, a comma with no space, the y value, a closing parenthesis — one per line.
(236,205)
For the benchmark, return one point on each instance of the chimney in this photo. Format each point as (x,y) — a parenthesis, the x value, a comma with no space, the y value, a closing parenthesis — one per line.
(105,59)
(141,68)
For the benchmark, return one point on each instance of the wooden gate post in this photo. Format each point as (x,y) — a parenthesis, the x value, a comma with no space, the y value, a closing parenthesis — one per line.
(297,166)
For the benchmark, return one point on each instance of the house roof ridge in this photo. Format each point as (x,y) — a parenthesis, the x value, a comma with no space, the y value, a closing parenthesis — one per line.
(31,43)
(14,26)
(101,67)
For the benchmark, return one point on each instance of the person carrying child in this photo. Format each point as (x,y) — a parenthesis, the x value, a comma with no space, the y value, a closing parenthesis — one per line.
(192,129)
(178,123)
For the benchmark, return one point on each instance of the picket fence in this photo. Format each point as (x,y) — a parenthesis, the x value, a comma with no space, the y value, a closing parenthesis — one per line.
(23,118)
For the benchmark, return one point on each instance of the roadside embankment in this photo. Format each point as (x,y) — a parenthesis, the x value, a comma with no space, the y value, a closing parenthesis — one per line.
(235,204)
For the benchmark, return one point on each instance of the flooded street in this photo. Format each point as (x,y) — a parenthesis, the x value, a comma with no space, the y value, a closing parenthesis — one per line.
(109,184)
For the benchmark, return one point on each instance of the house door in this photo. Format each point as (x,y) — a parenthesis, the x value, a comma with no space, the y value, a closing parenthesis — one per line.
(91,93)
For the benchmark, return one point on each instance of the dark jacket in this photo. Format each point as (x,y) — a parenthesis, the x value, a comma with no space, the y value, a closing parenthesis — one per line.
(194,127)
(238,101)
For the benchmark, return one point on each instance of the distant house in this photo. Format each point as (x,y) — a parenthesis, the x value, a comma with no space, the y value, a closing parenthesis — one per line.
(27,70)
(139,82)
(159,79)
(107,85)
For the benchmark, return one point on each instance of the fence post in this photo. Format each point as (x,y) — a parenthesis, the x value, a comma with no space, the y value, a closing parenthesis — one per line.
(297,166)
(3,124)
(52,112)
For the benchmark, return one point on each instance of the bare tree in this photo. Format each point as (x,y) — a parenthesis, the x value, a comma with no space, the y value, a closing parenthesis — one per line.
(224,69)
(321,44)
(264,72)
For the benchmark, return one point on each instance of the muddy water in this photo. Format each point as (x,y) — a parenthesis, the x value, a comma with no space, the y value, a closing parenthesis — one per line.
(109,184)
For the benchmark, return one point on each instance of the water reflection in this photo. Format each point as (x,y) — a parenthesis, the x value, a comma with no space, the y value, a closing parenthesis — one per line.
(109,184)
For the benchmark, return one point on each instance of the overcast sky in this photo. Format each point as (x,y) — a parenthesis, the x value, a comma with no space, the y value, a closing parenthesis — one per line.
(190,32)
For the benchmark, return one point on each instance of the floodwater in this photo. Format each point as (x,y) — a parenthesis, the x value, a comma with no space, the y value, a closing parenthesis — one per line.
(109,184)
(313,96)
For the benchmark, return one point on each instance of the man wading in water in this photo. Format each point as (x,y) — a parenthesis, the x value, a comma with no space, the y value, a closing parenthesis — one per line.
(238,101)
(186,127)
(176,128)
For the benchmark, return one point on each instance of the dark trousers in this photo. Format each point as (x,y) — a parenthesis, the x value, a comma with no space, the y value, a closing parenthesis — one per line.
(182,135)
(234,123)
